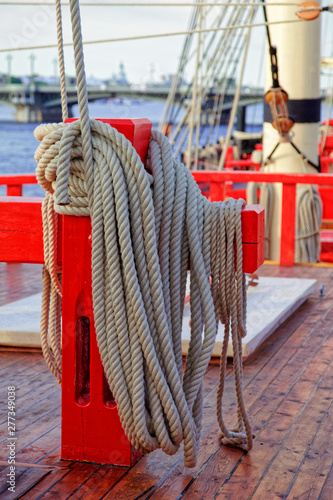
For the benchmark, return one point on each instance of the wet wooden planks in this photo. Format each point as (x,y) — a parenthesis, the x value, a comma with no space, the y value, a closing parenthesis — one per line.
(288,394)
(19,281)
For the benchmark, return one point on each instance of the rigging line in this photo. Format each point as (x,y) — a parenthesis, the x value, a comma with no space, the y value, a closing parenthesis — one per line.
(217,22)
(169,109)
(155,35)
(231,42)
(222,16)
(145,4)
(64,103)
(236,98)
(194,95)
(261,65)
(272,53)
(226,84)
(187,111)
(233,48)
(227,36)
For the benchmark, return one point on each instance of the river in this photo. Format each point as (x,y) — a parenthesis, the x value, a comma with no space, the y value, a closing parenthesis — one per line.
(18,145)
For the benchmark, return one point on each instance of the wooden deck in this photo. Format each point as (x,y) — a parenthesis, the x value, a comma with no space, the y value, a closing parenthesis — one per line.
(288,390)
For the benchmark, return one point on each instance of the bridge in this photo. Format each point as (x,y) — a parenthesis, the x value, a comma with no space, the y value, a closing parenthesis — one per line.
(35,102)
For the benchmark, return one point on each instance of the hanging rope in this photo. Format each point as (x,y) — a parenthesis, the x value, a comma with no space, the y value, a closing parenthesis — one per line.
(147,224)
(64,106)
(309,214)
(138,324)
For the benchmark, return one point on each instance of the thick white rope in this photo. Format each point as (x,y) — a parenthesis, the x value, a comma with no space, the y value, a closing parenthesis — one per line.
(145,228)
(308,220)
(64,106)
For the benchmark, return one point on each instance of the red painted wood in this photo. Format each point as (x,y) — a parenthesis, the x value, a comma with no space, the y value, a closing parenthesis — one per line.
(14,190)
(21,232)
(287,243)
(253,237)
(325,163)
(91,429)
(242,164)
(17,179)
(326,195)
(216,191)
(238,176)
(135,131)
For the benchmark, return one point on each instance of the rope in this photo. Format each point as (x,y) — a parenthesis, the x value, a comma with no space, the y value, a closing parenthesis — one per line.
(146,227)
(64,105)
(308,218)
(51,275)
(236,98)
(154,35)
(145,4)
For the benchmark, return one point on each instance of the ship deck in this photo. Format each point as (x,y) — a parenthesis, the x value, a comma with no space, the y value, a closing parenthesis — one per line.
(288,393)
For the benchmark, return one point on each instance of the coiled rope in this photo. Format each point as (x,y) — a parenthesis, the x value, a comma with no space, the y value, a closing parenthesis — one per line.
(147,224)
(308,219)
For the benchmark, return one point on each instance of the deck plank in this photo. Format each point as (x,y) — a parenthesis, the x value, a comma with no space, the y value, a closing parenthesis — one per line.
(287,391)
(258,385)
(19,281)
(310,477)
(258,418)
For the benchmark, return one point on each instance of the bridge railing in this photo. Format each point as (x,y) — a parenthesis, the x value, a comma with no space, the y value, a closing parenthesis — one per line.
(16,182)
(217,182)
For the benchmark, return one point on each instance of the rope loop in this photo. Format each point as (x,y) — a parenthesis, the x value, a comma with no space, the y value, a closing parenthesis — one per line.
(146,227)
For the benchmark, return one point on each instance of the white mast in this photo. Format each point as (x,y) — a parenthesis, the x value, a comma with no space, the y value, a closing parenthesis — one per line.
(298,53)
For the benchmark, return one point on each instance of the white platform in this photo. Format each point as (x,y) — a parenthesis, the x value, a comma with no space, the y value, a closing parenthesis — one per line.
(20,322)
(269,304)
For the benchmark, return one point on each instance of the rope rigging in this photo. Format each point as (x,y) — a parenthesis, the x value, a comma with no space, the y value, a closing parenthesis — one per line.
(147,225)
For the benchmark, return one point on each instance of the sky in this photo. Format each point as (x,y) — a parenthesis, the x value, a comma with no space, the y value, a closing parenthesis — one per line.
(22,26)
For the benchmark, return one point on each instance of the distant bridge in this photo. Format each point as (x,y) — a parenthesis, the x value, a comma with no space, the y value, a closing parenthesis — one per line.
(38,102)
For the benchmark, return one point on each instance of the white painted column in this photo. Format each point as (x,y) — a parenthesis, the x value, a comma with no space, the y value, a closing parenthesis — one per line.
(298,54)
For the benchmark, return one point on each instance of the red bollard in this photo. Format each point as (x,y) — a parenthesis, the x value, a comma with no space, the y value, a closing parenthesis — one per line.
(91,429)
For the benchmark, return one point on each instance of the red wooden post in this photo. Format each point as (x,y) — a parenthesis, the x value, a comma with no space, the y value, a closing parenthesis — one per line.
(253,237)
(216,191)
(21,230)
(288,223)
(13,190)
(91,429)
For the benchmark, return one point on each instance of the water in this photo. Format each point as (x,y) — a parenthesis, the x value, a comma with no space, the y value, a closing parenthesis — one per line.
(18,145)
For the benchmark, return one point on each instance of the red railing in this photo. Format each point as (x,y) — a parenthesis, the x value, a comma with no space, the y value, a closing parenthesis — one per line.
(325,162)
(218,180)
(15,183)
